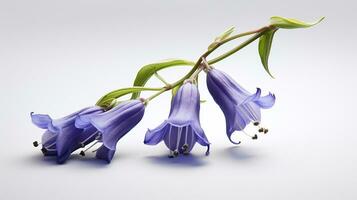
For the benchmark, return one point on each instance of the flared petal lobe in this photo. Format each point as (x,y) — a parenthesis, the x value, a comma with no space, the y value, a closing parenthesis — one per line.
(103,153)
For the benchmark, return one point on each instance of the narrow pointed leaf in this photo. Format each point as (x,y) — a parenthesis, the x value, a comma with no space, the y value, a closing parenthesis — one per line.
(107,100)
(221,37)
(147,71)
(265,42)
(289,23)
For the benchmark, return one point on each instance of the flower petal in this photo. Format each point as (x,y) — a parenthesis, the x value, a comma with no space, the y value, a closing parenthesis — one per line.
(253,97)
(48,138)
(267,101)
(104,153)
(67,141)
(43,121)
(176,137)
(185,106)
(154,136)
(226,86)
(115,123)
(83,118)
(201,137)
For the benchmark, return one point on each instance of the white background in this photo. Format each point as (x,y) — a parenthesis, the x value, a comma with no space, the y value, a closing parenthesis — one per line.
(59,56)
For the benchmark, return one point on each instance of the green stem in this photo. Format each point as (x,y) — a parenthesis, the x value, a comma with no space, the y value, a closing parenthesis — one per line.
(161,78)
(196,69)
(121,92)
(194,75)
(157,94)
(244,44)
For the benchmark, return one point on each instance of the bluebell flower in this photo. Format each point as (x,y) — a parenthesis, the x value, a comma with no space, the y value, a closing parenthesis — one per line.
(182,129)
(62,137)
(113,125)
(239,106)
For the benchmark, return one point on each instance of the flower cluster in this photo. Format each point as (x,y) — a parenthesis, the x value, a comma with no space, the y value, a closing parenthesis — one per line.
(180,132)
(88,126)
(109,120)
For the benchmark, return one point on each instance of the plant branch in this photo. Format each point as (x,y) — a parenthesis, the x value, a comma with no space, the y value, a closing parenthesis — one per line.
(196,69)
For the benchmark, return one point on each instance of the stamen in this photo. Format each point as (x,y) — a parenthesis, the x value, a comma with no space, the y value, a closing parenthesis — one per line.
(178,138)
(88,138)
(176,153)
(99,136)
(170,135)
(254,137)
(192,137)
(83,153)
(171,154)
(186,135)
(185,147)
(44,150)
(266,131)
(261,130)
(35,143)
(50,145)
(256,123)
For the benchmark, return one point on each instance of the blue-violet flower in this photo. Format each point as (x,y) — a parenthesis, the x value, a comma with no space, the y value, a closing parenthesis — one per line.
(182,129)
(113,125)
(62,137)
(238,105)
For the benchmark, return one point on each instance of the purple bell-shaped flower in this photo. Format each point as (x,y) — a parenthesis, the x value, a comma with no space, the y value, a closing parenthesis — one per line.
(238,105)
(182,129)
(62,137)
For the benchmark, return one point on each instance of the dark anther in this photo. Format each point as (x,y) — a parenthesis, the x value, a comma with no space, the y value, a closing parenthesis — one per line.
(256,123)
(266,131)
(35,144)
(44,150)
(176,153)
(255,137)
(82,153)
(185,147)
(261,130)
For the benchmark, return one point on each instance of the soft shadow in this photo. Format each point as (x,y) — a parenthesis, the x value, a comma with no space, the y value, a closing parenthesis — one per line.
(241,153)
(182,160)
(39,159)
(89,161)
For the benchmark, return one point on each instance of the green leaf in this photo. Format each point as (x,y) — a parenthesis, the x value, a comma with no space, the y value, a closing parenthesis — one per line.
(265,42)
(289,23)
(221,37)
(147,71)
(107,100)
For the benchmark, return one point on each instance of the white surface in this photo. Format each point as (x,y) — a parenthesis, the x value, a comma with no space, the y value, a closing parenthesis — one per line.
(57,57)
